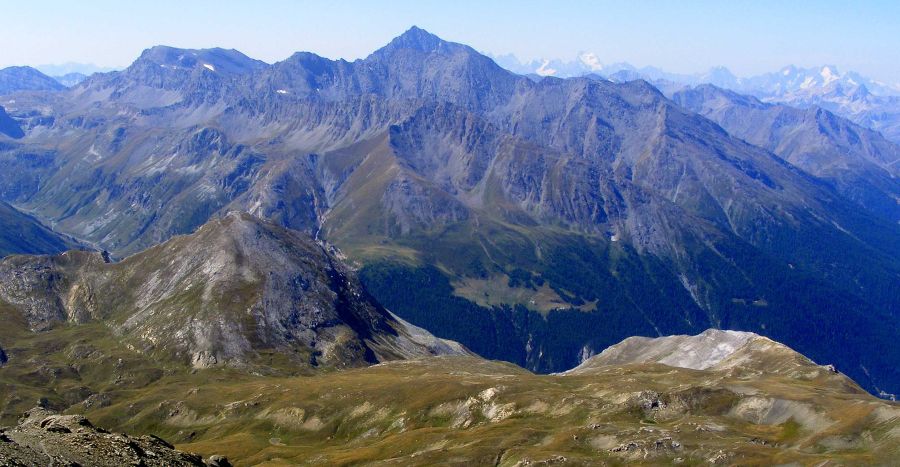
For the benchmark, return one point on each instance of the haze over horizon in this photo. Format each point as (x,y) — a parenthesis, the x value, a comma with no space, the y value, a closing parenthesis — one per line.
(748,39)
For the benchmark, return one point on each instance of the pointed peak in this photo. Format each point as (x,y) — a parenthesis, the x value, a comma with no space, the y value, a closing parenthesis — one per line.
(420,36)
(416,38)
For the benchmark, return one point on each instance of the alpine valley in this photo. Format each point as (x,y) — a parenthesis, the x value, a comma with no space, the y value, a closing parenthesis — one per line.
(420,257)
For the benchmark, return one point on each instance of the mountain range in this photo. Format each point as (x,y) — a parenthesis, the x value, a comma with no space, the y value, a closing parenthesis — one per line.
(859,162)
(24,78)
(790,79)
(867,102)
(423,258)
(533,220)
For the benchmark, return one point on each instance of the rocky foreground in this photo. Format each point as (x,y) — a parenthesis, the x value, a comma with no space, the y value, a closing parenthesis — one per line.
(44,437)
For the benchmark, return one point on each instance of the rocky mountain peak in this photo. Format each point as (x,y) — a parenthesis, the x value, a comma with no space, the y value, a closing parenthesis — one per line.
(418,39)
(235,287)
(698,352)
(609,164)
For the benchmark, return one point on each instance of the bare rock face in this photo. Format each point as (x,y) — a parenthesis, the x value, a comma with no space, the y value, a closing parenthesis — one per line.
(713,350)
(695,352)
(217,297)
(43,437)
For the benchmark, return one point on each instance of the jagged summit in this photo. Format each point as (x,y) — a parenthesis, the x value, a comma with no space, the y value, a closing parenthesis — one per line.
(419,39)
(415,39)
(422,41)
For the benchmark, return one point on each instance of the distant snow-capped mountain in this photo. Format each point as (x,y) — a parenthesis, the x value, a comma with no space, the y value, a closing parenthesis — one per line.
(586,63)
(865,101)
(793,80)
(789,79)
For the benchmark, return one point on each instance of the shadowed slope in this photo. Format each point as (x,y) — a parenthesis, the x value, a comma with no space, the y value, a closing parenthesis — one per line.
(22,234)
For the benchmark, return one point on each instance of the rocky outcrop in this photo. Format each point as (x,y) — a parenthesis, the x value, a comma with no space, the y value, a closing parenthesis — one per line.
(735,352)
(43,437)
(236,287)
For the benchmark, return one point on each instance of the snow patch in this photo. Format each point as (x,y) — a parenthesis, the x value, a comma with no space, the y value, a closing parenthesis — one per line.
(281,91)
(828,75)
(209,67)
(545,69)
(591,61)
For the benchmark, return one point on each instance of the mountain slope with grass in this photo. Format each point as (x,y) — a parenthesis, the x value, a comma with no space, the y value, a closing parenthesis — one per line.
(776,407)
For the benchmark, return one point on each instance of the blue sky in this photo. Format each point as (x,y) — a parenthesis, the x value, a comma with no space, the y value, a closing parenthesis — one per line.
(748,37)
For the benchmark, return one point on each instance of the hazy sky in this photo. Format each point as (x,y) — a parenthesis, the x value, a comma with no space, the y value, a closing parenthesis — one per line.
(748,37)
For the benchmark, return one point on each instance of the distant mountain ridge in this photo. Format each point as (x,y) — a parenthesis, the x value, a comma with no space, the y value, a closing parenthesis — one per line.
(860,162)
(788,79)
(865,101)
(70,79)
(24,78)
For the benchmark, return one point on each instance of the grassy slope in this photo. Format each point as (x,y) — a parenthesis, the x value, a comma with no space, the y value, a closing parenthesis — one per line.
(454,411)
